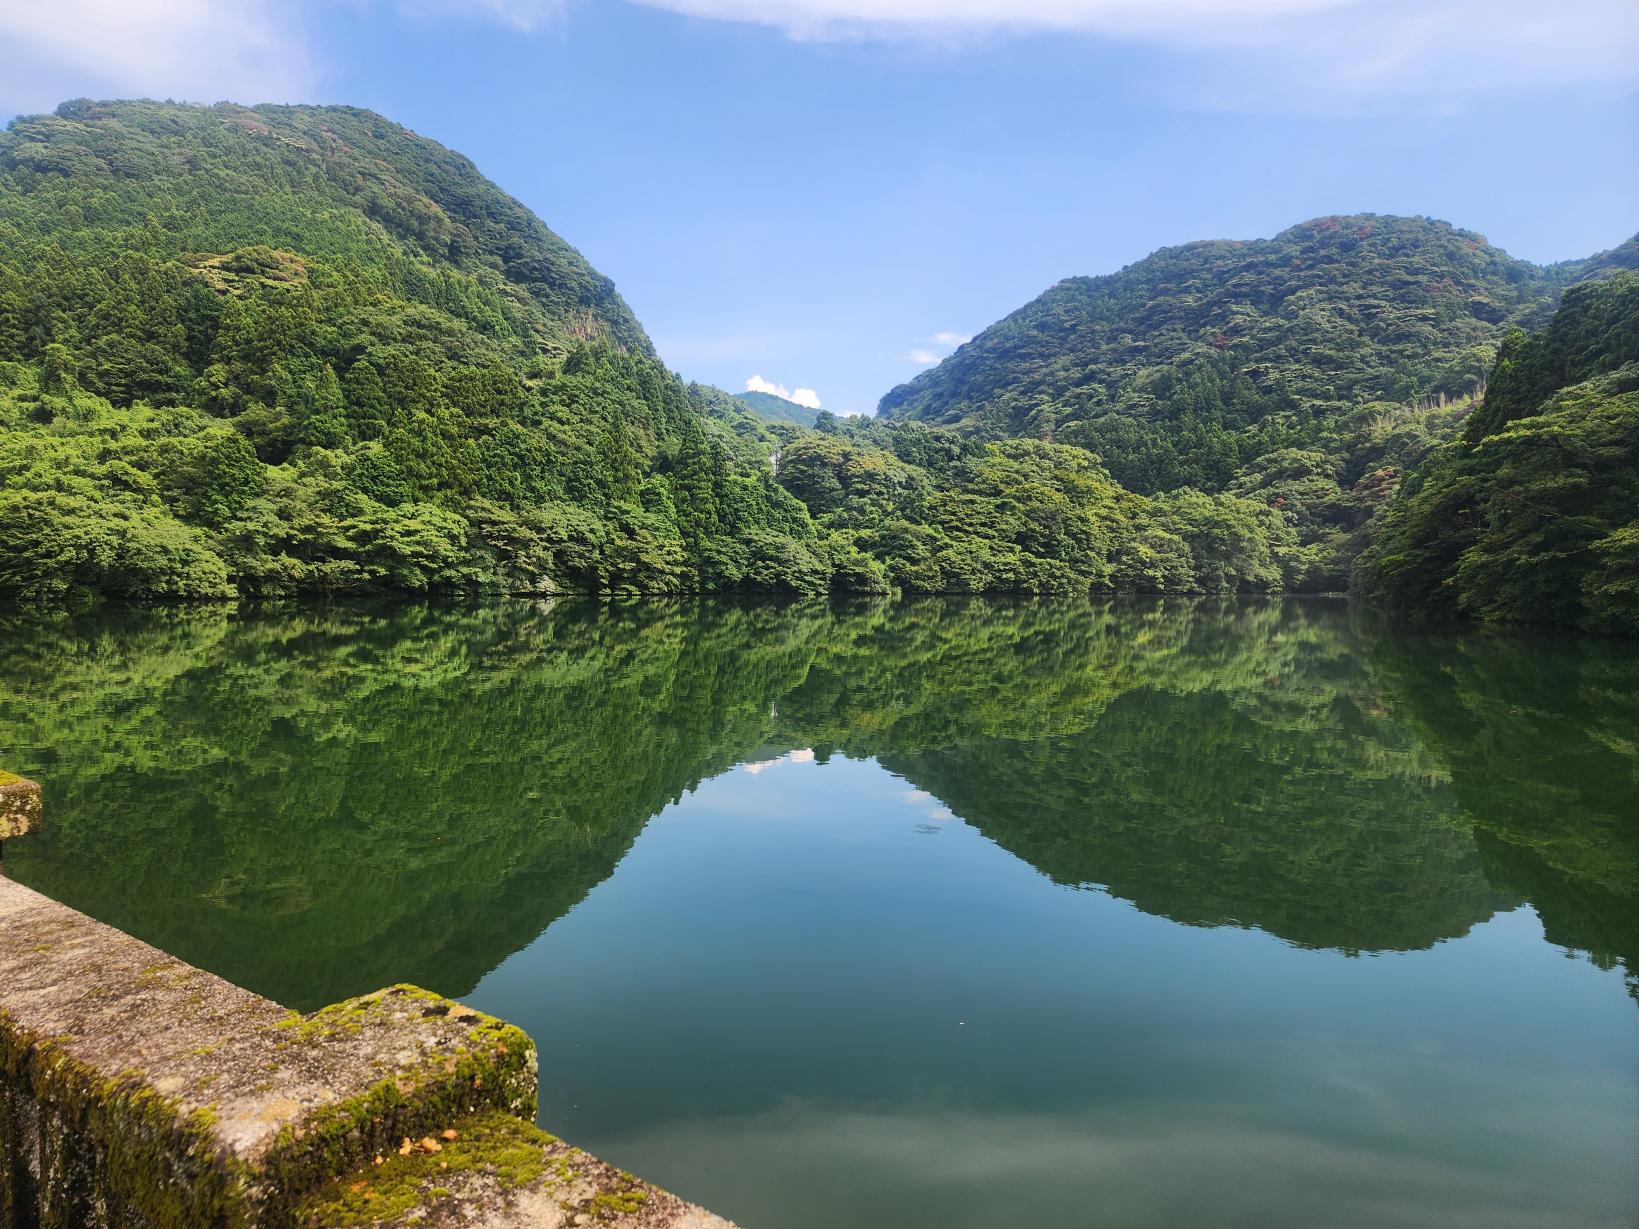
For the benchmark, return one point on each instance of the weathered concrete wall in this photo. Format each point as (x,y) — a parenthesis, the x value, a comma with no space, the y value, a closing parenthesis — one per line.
(137,1091)
(19,806)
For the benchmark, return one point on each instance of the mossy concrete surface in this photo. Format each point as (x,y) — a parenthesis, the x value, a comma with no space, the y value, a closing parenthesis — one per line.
(136,1090)
(19,806)
(496,1172)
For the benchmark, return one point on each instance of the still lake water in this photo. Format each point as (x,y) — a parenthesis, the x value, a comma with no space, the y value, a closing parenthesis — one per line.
(927,914)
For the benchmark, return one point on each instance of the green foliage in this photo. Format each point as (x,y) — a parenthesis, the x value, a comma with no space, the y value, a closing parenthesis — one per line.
(1311,371)
(1234,544)
(260,352)
(1216,343)
(1595,330)
(301,349)
(1530,516)
(930,511)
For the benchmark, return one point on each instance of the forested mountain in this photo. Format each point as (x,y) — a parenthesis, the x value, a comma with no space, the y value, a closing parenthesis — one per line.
(252,351)
(300,348)
(778,409)
(1309,372)
(1169,367)
(1532,514)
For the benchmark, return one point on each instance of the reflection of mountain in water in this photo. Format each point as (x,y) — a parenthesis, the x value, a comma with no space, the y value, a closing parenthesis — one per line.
(1240,822)
(321,803)
(318,802)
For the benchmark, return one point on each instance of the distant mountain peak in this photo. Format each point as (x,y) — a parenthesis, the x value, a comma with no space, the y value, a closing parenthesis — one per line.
(1228,335)
(775,408)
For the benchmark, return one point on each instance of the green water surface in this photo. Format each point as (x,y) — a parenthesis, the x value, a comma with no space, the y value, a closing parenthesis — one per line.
(923,914)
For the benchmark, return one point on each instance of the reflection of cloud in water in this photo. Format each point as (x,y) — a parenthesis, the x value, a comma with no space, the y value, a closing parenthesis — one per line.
(937,811)
(802,755)
(955,1168)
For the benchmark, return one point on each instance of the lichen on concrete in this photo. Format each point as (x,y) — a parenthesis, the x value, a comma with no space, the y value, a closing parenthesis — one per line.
(19,806)
(498,1173)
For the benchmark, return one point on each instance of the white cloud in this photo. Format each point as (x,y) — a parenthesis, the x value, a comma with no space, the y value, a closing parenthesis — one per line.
(946,340)
(802,396)
(524,15)
(867,18)
(1279,54)
(199,50)
(249,51)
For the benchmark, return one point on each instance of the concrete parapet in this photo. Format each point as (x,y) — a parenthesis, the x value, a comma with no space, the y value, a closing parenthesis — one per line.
(136,1090)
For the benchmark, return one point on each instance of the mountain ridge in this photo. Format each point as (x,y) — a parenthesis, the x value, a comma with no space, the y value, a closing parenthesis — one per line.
(278,350)
(260,351)
(775,408)
(1426,301)
(414,187)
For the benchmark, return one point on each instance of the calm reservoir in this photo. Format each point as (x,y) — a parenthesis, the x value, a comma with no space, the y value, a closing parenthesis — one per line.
(931,913)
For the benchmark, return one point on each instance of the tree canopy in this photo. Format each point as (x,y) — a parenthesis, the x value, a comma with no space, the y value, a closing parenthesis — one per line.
(1532,514)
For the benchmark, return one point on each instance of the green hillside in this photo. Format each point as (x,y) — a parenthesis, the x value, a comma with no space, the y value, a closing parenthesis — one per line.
(1533,513)
(1310,372)
(1238,346)
(778,409)
(260,351)
(264,351)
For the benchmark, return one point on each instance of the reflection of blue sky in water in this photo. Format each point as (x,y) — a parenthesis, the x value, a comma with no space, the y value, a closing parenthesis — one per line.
(822,1166)
(792,1006)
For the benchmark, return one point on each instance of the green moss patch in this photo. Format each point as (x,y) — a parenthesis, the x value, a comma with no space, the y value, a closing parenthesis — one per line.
(110,1147)
(493,1069)
(491,1145)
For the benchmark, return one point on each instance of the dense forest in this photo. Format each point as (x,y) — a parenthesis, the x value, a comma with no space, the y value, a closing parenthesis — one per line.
(294,348)
(264,351)
(1184,365)
(1532,512)
(778,409)
(1310,373)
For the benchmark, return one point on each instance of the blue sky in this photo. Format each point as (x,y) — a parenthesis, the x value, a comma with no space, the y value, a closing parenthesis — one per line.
(828,194)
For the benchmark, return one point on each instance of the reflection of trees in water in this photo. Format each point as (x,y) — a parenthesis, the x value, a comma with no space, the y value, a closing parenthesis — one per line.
(319,803)
(1541,736)
(321,800)
(1240,821)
